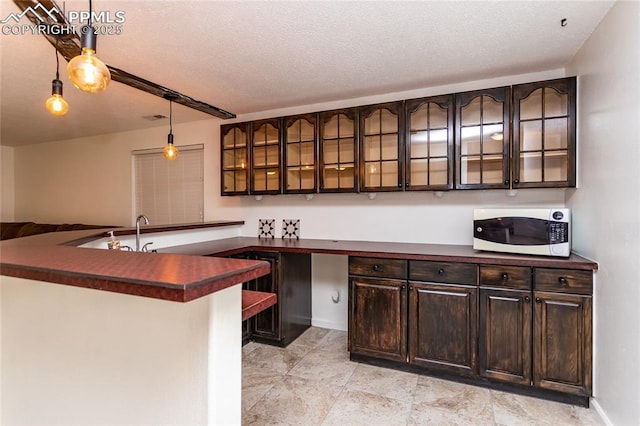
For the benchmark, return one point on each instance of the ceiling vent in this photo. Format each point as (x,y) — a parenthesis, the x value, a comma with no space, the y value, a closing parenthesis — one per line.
(155,117)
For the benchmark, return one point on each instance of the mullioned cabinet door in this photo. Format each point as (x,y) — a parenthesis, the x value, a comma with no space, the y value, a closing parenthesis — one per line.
(544,134)
(482,139)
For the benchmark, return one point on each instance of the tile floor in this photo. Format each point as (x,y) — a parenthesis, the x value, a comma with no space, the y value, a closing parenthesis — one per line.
(312,382)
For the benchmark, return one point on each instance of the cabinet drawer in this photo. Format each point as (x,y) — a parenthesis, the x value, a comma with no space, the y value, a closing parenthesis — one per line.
(518,277)
(563,280)
(443,272)
(373,267)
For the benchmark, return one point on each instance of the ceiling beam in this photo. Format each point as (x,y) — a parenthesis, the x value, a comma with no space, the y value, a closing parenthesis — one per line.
(50,16)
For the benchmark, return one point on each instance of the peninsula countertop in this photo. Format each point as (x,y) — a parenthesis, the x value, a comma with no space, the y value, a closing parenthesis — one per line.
(175,277)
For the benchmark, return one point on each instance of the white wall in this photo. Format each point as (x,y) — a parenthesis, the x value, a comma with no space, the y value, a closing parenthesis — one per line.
(79,356)
(89,180)
(606,206)
(7,184)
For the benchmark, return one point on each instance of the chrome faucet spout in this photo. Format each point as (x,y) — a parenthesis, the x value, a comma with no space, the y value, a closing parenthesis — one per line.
(146,222)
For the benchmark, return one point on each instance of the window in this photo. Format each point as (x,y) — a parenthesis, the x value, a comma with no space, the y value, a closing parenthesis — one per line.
(169,192)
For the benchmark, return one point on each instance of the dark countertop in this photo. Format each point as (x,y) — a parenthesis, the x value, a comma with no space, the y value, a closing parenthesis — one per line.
(49,257)
(412,251)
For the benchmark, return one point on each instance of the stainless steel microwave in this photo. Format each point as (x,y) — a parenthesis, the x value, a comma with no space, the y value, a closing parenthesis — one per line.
(538,231)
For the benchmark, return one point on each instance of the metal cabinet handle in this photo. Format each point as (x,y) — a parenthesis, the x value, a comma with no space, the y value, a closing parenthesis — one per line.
(516,181)
(376,267)
(440,271)
(527,299)
(505,276)
(538,300)
(563,281)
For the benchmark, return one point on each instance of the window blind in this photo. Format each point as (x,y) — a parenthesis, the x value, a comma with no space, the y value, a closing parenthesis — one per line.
(170,192)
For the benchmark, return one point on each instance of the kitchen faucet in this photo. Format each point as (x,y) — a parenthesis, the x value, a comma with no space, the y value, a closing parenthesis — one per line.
(146,222)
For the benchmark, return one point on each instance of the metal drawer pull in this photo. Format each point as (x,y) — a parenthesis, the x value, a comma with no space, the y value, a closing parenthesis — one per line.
(505,276)
(527,299)
(441,271)
(376,267)
(562,280)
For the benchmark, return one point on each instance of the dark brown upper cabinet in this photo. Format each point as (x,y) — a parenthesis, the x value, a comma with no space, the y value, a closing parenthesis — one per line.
(338,150)
(265,157)
(544,129)
(482,139)
(429,143)
(300,142)
(381,147)
(235,158)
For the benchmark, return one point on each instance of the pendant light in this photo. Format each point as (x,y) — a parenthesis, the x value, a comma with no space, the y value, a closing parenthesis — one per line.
(170,152)
(56,104)
(86,71)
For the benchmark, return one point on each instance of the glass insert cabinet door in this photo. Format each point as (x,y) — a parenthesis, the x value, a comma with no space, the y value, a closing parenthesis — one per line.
(300,157)
(482,139)
(338,153)
(235,158)
(265,157)
(429,143)
(380,147)
(544,134)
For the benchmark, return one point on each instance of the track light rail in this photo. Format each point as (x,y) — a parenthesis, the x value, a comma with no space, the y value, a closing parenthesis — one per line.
(68,44)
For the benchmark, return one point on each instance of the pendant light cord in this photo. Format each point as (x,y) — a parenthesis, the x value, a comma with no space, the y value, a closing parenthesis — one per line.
(57,62)
(90,12)
(170,115)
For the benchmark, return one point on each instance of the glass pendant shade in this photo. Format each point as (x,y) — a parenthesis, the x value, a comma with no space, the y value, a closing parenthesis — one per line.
(170,152)
(56,104)
(86,71)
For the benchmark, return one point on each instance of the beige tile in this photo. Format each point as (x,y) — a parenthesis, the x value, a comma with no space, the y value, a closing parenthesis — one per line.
(325,366)
(383,381)
(587,416)
(279,359)
(363,408)
(256,381)
(428,415)
(512,409)
(293,401)
(468,402)
(335,340)
(311,337)
(248,348)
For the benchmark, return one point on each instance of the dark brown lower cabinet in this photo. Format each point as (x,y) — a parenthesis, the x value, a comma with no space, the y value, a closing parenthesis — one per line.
(378,317)
(505,335)
(442,327)
(539,338)
(290,279)
(515,327)
(562,342)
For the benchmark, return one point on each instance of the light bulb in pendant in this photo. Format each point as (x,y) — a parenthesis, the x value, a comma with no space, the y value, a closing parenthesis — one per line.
(56,104)
(86,71)
(170,152)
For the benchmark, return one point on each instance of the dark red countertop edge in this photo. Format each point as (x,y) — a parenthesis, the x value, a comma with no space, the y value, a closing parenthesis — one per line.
(152,290)
(254,302)
(409,251)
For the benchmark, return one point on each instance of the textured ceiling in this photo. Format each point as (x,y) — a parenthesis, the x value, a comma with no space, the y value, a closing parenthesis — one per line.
(255,56)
